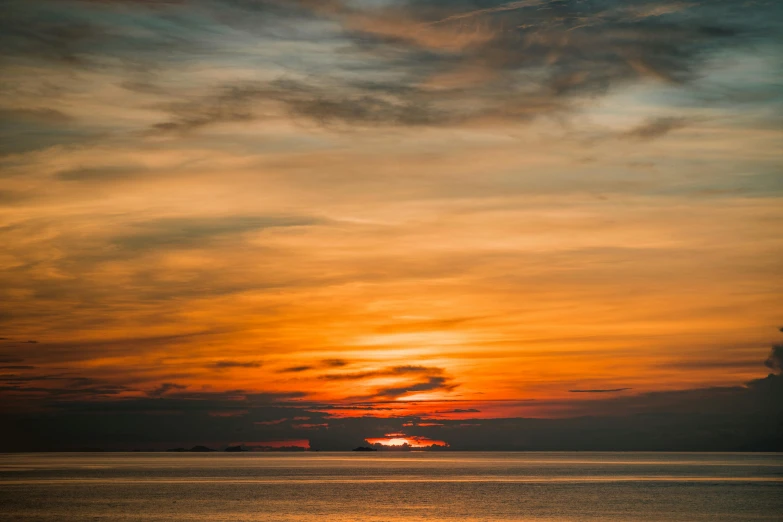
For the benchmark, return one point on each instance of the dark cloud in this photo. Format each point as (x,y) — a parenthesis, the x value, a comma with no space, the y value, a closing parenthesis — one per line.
(357,104)
(233,106)
(17,367)
(740,418)
(18,137)
(442,63)
(296,369)
(147,3)
(68,393)
(434,379)
(656,128)
(221,365)
(529,60)
(386,372)
(412,369)
(327,104)
(775,360)
(164,388)
(77,33)
(49,38)
(611,390)
(69,352)
(56,387)
(182,401)
(433,383)
(326,363)
(334,363)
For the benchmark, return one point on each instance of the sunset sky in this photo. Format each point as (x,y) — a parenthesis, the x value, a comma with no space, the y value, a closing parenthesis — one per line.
(279,219)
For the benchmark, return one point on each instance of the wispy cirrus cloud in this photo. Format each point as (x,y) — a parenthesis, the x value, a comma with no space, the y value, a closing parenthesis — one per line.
(192,232)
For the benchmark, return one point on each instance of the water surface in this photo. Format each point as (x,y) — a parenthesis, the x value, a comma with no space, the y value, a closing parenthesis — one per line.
(391,486)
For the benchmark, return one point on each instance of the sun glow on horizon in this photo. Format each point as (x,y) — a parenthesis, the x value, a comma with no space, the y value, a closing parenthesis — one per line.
(400,441)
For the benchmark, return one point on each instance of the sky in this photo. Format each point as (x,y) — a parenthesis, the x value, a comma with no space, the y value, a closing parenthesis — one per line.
(534,224)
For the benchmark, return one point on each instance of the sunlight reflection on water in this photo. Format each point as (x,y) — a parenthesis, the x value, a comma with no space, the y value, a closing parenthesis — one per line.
(391,486)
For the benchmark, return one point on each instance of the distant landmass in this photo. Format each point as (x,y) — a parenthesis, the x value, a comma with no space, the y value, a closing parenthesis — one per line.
(194,449)
(364,448)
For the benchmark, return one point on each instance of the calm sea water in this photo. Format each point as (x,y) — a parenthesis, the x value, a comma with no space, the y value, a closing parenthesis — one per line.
(391,486)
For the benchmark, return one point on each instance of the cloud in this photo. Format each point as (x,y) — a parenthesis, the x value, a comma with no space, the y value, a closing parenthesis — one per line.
(526,58)
(146,3)
(164,388)
(334,363)
(11,197)
(423,325)
(78,34)
(510,6)
(326,363)
(198,231)
(327,102)
(271,422)
(611,390)
(525,61)
(656,128)
(53,389)
(40,115)
(433,375)
(58,40)
(775,360)
(109,173)
(385,372)
(732,418)
(225,364)
(68,352)
(309,426)
(296,369)
(433,383)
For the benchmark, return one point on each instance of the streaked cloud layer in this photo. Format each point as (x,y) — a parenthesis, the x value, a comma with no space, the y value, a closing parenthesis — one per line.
(421,212)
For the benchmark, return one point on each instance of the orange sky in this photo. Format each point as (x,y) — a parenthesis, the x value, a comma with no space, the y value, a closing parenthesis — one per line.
(262,213)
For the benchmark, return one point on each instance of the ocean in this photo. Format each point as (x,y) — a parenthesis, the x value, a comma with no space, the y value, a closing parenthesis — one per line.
(391,486)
